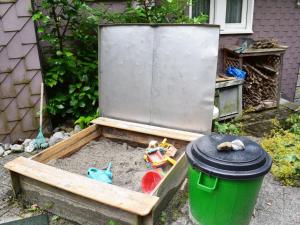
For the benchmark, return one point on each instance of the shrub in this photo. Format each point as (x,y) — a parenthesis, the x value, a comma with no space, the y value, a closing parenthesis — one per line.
(69,47)
(68,35)
(285,152)
(284,147)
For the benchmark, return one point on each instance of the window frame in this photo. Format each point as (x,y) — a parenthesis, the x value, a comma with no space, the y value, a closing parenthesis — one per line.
(218,16)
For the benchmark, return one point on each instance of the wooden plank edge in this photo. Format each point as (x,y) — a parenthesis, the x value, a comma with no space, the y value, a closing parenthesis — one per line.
(154,192)
(147,129)
(43,156)
(28,168)
(76,146)
(68,205)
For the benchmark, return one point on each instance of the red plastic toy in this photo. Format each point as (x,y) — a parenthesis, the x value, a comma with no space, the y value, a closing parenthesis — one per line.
(150,180)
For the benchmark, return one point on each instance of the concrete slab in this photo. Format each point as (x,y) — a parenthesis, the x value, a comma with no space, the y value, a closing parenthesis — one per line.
(276,205)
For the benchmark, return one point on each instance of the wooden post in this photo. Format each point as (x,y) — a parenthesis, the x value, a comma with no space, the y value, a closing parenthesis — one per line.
(15,182)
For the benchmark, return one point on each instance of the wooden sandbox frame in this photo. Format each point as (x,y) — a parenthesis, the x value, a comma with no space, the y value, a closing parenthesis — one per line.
(87,201)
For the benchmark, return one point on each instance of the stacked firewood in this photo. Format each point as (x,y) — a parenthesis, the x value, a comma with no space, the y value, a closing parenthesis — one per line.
(265,43)
(259,89)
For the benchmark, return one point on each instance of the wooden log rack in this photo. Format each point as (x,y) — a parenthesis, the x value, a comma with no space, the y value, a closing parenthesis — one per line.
(261,89)
(91,202)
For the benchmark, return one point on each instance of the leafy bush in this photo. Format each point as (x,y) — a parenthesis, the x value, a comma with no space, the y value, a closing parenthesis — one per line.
(68,35)
(284,147)
(69,46)
(285,152)
(228,128)
(293,123)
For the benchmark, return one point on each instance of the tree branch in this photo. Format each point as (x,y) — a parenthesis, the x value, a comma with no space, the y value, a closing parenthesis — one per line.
(57,28)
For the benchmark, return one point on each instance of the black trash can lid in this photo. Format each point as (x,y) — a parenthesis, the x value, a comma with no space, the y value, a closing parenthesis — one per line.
(251,162)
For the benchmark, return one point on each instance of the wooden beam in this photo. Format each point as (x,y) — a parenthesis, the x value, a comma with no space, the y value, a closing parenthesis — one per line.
(15,183)
(147,129)
(71,206)
(173,178)
(68,146)
(115,196)
(168,186)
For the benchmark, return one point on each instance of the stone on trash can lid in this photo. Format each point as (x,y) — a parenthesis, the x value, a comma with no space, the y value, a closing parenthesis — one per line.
(249,163)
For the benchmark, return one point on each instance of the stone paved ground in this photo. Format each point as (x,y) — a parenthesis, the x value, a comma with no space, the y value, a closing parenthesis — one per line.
(8,209)
(11,209)
(276,205)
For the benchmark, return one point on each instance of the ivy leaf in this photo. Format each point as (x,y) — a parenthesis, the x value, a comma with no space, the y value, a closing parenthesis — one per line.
(86,88)
(37,16)
(72,89)
(40,30)
(59,53)
(68,54)
(74,102)
(81,104)
(60,106)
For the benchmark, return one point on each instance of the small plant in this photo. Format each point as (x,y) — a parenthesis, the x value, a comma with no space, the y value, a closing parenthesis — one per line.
(163,217)
(111,222)
(55,218)
(284,149)
(84,121)
(228,128)
(34,208)
(293,123)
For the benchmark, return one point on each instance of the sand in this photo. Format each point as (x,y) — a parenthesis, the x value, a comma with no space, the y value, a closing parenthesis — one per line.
(128,165)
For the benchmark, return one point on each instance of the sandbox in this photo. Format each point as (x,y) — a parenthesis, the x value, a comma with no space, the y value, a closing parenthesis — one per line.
(128,164)
(66,190)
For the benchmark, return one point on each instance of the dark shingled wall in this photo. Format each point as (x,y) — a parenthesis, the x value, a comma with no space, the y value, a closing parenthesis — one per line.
(20,72)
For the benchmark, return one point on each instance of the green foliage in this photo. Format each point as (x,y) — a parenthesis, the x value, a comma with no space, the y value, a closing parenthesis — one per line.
(146,11)
(285,152)
(293,122)
(111,222)
(68,33)
(69,41)
(84,121)
(284,147)
(228,128)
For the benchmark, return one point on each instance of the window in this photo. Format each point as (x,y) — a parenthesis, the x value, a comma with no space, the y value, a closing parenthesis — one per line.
(234,16)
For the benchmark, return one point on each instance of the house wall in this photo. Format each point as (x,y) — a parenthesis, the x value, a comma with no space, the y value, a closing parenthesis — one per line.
(278,19)
(20,72)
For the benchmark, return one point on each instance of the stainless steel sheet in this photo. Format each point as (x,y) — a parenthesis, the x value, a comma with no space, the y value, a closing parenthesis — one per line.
(126,72)
(162,75)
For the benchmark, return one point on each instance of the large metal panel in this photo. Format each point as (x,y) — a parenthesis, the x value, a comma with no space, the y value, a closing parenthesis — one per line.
(162,74)
(126,54)
(185,69)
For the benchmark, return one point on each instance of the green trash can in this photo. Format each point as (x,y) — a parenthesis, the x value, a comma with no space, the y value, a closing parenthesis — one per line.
(223,185)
